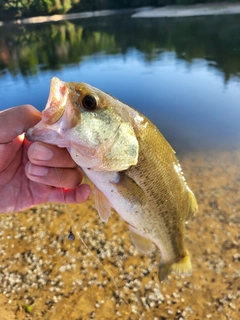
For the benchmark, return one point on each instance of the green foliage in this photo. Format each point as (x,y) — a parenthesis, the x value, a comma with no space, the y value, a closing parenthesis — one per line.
(24,8)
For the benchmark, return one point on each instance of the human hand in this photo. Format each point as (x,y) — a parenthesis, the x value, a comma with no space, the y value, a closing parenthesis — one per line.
(34,173)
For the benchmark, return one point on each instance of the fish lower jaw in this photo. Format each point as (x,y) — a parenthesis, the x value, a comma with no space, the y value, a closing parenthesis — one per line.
(99,177)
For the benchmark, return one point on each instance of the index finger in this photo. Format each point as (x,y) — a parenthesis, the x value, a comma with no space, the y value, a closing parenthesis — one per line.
(17,120)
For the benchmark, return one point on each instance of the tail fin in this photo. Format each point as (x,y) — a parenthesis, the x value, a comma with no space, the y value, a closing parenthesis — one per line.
(183,266)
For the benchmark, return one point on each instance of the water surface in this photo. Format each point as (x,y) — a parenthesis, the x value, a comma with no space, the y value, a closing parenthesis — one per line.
(181,73)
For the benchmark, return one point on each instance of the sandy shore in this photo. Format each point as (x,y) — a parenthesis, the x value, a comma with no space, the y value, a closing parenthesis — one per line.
(40,267)
(145,12)
(190,11)
(72,16)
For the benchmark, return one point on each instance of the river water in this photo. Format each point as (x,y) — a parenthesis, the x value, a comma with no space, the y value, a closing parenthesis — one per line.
(181,73)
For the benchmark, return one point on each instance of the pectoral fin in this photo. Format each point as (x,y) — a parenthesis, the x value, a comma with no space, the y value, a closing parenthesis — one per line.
(143,244)
(102,205)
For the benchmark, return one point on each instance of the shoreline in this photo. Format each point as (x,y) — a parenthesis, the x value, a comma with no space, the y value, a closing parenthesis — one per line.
(143,12)
(73,16)
(190,10)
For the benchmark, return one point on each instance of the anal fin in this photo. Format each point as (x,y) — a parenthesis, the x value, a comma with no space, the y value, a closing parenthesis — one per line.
(143,244)
(102,205)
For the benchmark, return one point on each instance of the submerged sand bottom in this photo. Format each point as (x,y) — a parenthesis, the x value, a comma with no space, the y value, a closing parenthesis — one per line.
(40,267)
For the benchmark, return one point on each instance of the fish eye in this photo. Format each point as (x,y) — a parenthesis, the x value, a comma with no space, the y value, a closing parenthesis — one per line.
(89,102)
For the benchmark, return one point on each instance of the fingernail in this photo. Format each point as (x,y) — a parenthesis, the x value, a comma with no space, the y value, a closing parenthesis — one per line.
(87,191)
(37,170)
(42,152)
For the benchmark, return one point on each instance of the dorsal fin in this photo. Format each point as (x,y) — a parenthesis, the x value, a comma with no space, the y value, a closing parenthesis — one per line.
(192,205)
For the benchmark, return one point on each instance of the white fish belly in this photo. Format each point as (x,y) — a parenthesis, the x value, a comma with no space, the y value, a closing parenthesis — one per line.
(107,183)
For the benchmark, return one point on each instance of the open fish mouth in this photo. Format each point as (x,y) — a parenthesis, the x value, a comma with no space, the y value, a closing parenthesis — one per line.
(58,117)
(56,103)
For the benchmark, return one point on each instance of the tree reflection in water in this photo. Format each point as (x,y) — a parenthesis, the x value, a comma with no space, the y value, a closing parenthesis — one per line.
(28,49)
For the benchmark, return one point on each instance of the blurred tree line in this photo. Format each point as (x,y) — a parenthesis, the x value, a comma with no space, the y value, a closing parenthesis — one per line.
(10,9)
(25,8)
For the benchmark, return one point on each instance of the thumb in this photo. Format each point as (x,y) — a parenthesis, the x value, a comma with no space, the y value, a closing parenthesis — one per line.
(17,120)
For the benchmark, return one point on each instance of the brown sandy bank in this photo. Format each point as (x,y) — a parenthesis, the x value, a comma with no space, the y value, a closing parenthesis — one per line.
(190,10)
(39,266)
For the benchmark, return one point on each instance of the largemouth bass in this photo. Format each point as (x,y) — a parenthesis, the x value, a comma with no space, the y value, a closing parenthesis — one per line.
(132,166)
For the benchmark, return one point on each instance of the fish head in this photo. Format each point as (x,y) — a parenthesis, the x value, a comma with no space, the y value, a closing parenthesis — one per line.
(96,128)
